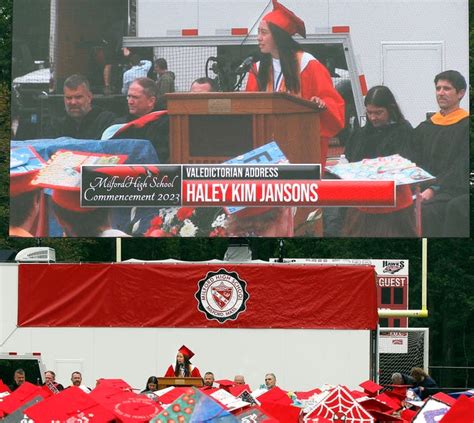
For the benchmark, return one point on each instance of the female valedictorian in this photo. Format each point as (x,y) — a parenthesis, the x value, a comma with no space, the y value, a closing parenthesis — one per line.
(285,67)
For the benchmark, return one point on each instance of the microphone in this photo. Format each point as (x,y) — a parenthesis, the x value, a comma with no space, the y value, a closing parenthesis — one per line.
(245,65)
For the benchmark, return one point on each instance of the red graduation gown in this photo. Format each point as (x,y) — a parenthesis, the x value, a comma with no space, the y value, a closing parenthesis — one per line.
(315,80)
(194,372)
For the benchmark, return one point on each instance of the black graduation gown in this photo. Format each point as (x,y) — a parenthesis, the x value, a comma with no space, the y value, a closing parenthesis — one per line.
(443,150)
(90,127)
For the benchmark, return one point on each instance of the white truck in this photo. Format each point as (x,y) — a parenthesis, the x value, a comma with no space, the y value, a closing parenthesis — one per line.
(399,43)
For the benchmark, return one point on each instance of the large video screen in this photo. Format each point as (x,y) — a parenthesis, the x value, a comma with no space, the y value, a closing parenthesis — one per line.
(141,119)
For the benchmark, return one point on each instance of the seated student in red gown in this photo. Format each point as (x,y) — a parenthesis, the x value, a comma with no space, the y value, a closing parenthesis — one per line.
(183,367)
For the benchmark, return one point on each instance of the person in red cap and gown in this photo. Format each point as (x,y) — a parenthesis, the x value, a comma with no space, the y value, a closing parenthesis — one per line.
(285,67)
(183,366)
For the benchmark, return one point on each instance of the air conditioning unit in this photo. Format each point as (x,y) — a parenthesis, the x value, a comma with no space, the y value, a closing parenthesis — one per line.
(36,255)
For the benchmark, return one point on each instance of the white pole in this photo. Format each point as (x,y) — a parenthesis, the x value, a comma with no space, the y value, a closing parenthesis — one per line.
(118,250)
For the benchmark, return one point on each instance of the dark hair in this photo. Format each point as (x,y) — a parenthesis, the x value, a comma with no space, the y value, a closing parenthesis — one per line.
(381,96)
(23,206)
(149,86)
(151,379)
(74,81)
(206,80)
(90,223)
(287,49)
(134,59)
(76,373)
(50,371)
(454,77)
(161,63)
(187,367)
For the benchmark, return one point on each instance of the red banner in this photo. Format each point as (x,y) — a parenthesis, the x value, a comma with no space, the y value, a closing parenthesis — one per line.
(288,193)
(197,295)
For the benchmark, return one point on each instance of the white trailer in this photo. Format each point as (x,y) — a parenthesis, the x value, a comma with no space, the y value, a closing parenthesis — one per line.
(301,358)
(399,43)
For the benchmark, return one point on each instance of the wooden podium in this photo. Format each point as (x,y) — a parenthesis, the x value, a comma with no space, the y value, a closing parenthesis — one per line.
(208,128)
(214,127)
(164,382)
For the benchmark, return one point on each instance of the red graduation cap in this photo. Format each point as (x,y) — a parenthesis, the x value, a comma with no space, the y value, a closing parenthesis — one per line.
(307,394)
(285,19)
(172,395)
(392,401)
(277,395)
(286,413)
(25,393)
(339,403)
(69,403)
(225,383)
(20,183)
(358,394)
(385,417)
(373,404)
(461,411)
(370,387)
(398,391)
(441,396)
(126,405)
(408,414)
(3,387)
(236,390)
(186,351)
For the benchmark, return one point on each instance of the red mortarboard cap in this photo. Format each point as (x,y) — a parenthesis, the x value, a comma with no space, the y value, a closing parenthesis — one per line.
(307,394)
(70,403)
(3,387)
(370,386)
(461,411)
(372,404)
(277,395)
(125,404)
(441,396)
(225,384)
(173,395)
(115,383)
(26,392)
(358,394)
(20,183)
(236,390)
(385,417)
(392,401)
(186,351)
(408,414)
(285,19)
(398,391)
(286,413)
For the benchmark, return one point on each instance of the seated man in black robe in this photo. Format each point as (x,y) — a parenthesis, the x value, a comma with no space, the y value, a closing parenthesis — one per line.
(142,122)
(82,120)
(441,146)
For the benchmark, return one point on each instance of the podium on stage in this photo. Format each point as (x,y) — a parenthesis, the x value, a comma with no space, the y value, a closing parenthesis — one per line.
(215,127)
(207,128)
(164,382)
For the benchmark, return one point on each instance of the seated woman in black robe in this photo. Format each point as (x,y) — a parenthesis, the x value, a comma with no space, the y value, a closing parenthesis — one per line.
(386,132)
